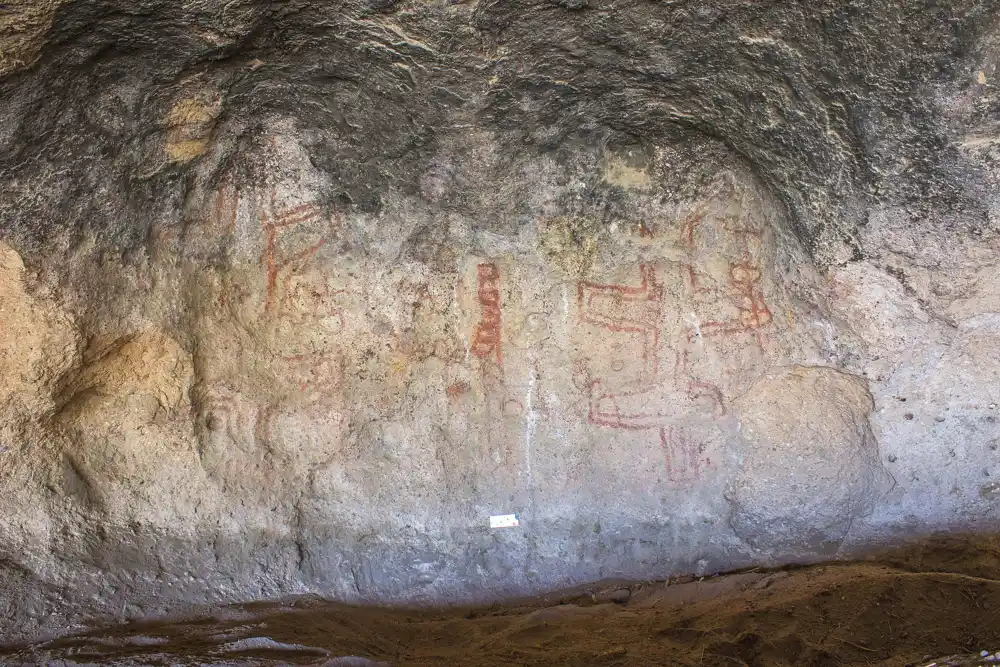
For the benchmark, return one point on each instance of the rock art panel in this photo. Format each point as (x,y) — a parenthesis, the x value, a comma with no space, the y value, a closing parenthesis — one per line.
(588,365)
(270,366)
(663,349)
(334,384)
(350,298)
(495,412)
(630,392)
(729,278)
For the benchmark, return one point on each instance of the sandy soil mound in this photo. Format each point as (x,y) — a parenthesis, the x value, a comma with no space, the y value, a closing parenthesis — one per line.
(906,607)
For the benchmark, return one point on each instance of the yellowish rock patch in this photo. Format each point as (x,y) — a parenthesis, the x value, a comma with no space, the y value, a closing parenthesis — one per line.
(189,127)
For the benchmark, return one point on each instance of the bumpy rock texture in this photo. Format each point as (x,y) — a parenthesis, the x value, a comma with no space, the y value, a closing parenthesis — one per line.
(294,296)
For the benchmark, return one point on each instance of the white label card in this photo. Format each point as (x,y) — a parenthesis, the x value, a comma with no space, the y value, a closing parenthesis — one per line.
(504,521)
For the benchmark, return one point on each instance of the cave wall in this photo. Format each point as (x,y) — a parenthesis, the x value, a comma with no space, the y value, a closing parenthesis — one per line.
(295,296)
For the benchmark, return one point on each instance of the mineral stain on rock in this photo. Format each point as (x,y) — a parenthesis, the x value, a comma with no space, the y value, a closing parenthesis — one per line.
(629,170)
(571,244)
(189,127)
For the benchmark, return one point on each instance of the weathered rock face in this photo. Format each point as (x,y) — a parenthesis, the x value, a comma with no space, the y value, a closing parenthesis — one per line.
(810,466)
(294,297)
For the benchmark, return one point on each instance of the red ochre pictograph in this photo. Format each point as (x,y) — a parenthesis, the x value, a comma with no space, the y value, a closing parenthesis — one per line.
(636,310)
(685,457)
(276,260)
(743,290)
(225,206)
(486,338)
(627,309)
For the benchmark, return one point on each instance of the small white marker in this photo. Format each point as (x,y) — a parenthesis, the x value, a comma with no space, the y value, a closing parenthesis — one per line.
(504,521)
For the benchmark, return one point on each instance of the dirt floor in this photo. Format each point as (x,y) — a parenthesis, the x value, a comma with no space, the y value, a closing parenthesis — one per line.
(908,607)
